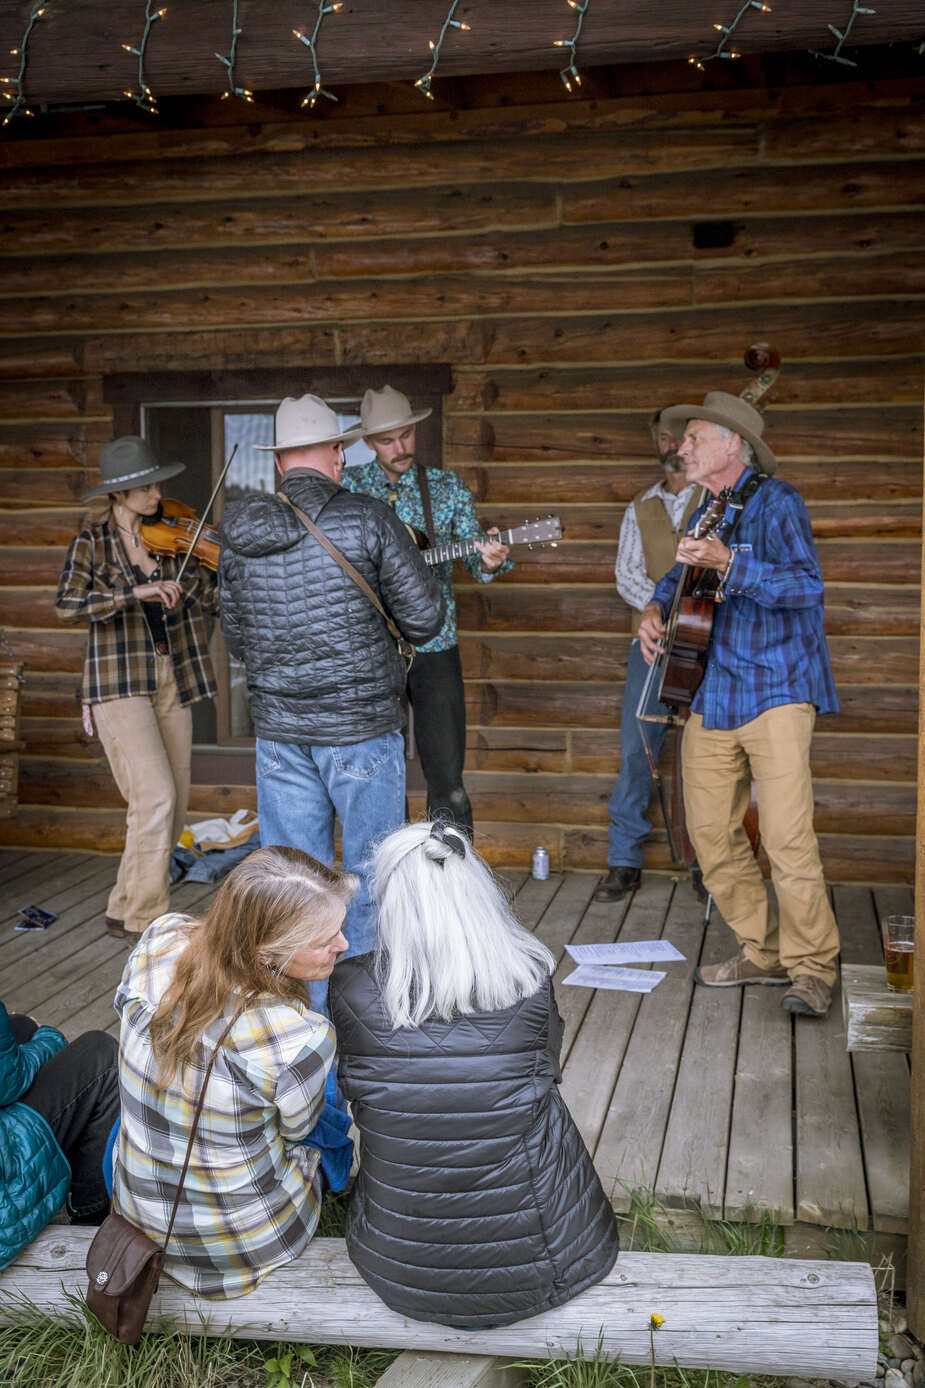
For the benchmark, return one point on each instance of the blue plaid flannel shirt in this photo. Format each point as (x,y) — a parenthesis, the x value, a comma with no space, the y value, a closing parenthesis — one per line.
(767,646)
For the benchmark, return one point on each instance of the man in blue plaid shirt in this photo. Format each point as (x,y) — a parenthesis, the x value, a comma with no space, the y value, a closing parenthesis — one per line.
(767,675)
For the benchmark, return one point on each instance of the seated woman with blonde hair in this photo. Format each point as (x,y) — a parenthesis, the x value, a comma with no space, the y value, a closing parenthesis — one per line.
(477,1203)
(252,1194)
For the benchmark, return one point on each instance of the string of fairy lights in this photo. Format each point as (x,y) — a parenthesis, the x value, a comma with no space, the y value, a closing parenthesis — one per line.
(311,42)
(12,88)
(144,97)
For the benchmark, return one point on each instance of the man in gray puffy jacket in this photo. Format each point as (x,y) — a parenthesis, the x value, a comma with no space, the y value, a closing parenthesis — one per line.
(323,673)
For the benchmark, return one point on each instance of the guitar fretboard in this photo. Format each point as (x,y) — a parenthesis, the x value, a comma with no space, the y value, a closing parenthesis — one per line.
(440,554)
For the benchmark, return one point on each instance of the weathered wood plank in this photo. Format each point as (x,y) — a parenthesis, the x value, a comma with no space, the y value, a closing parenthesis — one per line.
(692,1169)
(548,484)
(633,1122)
(759,1174)
(597,1054)
(752,1315)
(416,1369)
(830,1186)
(865,431)
(652,384)
(599,924)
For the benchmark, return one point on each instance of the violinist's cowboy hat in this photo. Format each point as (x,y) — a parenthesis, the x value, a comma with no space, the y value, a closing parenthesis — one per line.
(304,422)
(129,462)
(733,413)
(385,409)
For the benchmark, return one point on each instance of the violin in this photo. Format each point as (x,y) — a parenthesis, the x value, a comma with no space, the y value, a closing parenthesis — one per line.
(175,529)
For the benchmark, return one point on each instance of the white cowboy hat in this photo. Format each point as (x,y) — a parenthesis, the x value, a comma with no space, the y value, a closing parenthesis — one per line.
(381,410)
(307,421)
(719,407)
(129,462)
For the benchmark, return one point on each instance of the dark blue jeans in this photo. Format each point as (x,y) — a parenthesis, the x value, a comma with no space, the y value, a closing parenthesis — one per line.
(629,825)
(77,1093)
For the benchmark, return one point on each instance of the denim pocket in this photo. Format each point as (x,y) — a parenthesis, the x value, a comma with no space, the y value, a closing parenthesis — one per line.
(363,760)
(268,758)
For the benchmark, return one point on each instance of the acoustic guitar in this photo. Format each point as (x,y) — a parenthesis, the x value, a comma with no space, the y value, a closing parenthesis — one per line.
(531,533)
(690,621)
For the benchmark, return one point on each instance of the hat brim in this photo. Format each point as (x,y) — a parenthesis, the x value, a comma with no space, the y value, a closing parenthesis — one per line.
(140,479)
(397,424)
(679,415)
(347,436)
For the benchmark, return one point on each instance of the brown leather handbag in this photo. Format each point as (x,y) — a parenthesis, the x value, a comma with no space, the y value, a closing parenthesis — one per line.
(123,1264)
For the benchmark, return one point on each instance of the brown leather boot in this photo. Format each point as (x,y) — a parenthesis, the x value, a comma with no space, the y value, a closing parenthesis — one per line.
(618,883)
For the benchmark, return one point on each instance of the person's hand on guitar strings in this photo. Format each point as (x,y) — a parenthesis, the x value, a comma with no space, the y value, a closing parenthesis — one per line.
(710,553)
(493,552)
(651,633)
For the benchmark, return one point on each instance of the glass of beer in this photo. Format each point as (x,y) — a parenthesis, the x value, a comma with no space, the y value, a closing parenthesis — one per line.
(898,946)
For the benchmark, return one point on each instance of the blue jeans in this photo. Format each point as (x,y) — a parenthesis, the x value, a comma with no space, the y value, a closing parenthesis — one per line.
(629,826)
(300,788)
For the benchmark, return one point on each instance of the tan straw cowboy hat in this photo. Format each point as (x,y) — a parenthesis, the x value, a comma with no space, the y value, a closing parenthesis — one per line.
(733,413)
(381,410)
(129,462)
(307,421)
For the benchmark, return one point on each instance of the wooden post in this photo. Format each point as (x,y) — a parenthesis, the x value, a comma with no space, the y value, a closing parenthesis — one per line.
(915,1273)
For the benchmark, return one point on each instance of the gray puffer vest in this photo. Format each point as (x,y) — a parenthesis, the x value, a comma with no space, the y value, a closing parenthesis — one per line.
(477,1203)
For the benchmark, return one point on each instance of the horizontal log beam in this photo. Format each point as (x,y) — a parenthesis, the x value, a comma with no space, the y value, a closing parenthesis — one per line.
(752,1315)
(368,43)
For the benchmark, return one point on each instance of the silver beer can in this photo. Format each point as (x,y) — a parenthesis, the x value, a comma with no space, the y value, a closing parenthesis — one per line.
(540,868)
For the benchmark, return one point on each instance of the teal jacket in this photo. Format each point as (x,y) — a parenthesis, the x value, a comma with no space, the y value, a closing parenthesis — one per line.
(34,1172)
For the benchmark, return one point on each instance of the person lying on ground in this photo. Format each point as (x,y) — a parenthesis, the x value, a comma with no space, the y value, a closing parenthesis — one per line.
(58,1102)
(251,1198)
(476,1203)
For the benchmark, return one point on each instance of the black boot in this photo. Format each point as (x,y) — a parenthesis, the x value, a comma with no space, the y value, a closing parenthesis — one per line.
(618,883)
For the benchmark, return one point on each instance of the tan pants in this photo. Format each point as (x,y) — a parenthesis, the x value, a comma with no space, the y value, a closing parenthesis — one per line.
(719,767)
(147,741)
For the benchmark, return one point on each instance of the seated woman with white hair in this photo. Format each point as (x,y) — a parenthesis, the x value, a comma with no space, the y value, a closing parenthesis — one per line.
(477,1203)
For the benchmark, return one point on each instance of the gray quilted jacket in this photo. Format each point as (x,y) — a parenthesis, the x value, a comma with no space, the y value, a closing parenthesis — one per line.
(321,665)
(476,1202)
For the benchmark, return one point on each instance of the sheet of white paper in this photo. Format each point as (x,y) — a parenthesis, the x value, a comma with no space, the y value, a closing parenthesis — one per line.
(633,952)
(606,976)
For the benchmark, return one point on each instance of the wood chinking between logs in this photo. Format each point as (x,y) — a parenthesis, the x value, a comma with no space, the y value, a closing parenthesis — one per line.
(557,276)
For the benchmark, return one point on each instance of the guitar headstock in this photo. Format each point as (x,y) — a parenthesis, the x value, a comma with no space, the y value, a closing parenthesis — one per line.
(538,532)
(712,517)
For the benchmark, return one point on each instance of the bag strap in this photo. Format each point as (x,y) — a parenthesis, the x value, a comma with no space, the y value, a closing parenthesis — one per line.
(424,489)
(196,1117)
(344,563)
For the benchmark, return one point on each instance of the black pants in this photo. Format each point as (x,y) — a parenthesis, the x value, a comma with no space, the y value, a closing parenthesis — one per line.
(77,1093)
(435,689)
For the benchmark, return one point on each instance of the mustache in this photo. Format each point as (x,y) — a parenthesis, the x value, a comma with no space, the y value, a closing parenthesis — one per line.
(672,461)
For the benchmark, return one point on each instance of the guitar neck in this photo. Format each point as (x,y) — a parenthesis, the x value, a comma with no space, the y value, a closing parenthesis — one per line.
(441,554)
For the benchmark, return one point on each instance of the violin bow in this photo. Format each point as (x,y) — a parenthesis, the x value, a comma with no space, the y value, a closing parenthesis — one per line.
(205,515)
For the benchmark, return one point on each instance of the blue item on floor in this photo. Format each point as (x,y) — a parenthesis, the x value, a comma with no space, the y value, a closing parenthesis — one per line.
(187,866)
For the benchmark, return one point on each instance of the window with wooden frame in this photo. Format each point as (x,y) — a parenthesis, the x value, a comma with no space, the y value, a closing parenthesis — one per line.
(196,419)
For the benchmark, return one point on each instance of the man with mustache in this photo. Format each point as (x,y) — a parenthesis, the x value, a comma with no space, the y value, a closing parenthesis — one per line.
(653,523)
(437,502)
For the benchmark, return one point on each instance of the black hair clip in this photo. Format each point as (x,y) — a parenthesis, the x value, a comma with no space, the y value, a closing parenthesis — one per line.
(451,838)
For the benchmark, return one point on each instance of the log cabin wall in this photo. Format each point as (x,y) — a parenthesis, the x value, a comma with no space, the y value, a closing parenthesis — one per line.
(576,265)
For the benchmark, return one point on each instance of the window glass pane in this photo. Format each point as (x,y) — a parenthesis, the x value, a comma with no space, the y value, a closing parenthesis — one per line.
(348,414)
(251,471)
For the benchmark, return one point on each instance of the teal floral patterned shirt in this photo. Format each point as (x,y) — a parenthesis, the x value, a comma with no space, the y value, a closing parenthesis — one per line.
(454,519)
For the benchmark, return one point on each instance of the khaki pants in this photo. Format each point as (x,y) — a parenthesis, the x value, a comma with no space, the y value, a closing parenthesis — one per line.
(719,767)
(147,741)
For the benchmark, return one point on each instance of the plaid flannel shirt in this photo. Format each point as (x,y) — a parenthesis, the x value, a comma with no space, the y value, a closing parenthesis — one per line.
(767,645)
(454,519)
(252,1196)
(96,587)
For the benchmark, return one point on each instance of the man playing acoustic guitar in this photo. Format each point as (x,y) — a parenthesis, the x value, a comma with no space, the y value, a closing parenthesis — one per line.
(437,502)
(767,674)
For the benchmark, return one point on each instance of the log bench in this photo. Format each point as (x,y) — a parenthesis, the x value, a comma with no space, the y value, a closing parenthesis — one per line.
(875,1018)
(753,1315)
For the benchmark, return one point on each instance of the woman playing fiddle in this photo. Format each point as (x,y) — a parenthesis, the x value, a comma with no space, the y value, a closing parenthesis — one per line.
(147,661)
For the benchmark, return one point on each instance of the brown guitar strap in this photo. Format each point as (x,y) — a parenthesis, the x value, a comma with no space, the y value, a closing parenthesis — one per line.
(405,649)
(424,489)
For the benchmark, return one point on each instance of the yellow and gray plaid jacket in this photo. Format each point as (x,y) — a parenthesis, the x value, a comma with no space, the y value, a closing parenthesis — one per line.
(252,1194)
(96,587)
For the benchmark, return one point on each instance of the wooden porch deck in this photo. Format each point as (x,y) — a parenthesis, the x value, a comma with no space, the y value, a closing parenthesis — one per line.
(718,1101)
